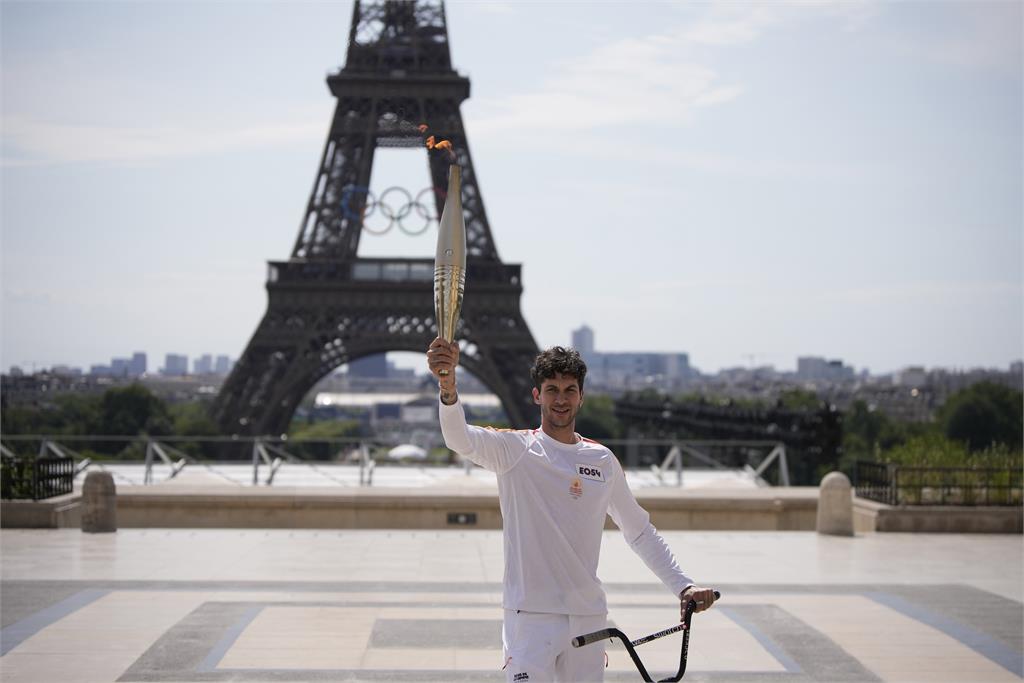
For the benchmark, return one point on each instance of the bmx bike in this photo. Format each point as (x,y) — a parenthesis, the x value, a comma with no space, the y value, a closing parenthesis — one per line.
(631,645)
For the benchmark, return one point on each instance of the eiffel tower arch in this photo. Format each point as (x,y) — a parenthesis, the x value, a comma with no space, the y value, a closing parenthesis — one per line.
(327,306)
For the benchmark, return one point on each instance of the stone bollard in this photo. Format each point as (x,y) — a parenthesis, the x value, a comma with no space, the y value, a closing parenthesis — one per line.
(835,505)
(99,503)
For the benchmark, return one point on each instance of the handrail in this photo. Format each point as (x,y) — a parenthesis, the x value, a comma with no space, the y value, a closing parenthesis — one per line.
(675,459)
(121,438)
(313,453)
(896,484)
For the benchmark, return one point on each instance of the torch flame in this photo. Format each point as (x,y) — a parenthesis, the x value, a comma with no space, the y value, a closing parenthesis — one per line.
(432,143)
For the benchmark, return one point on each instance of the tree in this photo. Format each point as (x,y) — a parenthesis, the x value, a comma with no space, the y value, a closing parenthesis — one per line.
(192,418)
(324,430)
(133,410)
(984,414)
(867,432)
(65,414)
(799,399)
(596,419)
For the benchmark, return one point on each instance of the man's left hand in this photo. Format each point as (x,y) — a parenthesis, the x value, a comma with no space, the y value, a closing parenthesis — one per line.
(704,597)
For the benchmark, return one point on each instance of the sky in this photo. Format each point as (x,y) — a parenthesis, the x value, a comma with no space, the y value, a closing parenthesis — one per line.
(746,183)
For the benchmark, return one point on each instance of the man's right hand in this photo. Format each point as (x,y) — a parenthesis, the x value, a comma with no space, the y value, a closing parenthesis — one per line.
(704,597)
(443,355)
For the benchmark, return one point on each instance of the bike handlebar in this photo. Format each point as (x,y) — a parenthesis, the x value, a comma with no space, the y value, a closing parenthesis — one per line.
(608,633)
(588,638)
(580,641)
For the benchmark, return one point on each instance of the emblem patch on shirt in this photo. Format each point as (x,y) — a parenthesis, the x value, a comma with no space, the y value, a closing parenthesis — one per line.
(576,488)
(590,472)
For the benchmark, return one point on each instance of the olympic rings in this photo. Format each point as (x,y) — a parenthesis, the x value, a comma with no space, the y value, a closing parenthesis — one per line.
(371,204)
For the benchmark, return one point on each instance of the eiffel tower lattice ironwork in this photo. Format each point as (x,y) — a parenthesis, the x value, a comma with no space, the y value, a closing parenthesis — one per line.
(326,306)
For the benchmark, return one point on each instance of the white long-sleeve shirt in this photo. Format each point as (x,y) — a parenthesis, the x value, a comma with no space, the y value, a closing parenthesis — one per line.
(554,498)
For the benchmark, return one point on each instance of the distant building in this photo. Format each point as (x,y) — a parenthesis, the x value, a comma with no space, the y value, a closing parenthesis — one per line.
(66,371)
(945,382)
(203,365)
(369,366)
(628,370)
(583,340)
(175,365)
(913,377)
(137,365)
(763,375)
(222,365)
(119,367)
(395,372)
(811,368)
(817,369)
(420,411)
(385,411)
(100,371)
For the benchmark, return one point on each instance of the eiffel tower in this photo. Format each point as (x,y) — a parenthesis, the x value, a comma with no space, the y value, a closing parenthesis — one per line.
(326,306)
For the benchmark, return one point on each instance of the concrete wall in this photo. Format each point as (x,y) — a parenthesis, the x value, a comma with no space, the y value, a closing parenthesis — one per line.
(767,509)
(397,510)
(54,513)
(763,509)
(871,516)
(793,509)
(293,508)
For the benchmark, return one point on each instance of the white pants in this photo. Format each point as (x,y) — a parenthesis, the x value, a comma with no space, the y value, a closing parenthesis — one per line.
(538,648)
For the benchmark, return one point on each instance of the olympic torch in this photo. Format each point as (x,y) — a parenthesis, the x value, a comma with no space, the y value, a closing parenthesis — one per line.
(450,261)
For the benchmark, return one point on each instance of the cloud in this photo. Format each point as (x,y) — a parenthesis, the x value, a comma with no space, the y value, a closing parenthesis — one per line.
(20,295)
(630,81)
(726,24)
(917,291)
(667,157)
(493,6)
(718,96)
(973,35)
(32,142)
(734,24)
(660,78)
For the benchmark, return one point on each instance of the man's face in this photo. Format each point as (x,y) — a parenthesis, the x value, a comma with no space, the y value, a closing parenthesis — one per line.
(559,400)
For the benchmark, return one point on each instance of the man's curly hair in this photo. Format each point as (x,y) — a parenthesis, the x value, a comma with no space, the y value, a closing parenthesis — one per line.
(558,360)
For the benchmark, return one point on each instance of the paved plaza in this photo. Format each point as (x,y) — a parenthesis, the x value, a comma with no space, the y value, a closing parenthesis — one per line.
(279,605)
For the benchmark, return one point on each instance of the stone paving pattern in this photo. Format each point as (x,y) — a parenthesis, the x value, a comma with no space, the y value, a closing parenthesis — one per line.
(278,605)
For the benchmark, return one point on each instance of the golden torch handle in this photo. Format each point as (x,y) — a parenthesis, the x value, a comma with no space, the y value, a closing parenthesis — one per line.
(450,261)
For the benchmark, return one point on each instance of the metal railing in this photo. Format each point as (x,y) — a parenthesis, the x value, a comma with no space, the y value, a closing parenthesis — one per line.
(894,484)
(242,461)
(211,454)
(35,478)
(674,460)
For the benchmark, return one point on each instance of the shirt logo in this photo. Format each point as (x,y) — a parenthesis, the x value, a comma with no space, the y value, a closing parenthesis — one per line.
(576,488)
(521,677)
(590,472)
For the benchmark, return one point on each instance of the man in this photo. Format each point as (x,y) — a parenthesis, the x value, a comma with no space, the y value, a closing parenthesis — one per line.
(555,489)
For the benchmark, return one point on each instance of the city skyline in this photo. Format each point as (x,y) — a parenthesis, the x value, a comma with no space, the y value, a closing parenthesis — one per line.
(137,365)
(736,182)
(406,360)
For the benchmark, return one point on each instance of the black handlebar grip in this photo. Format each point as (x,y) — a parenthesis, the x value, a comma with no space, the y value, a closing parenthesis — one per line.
(580,641)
